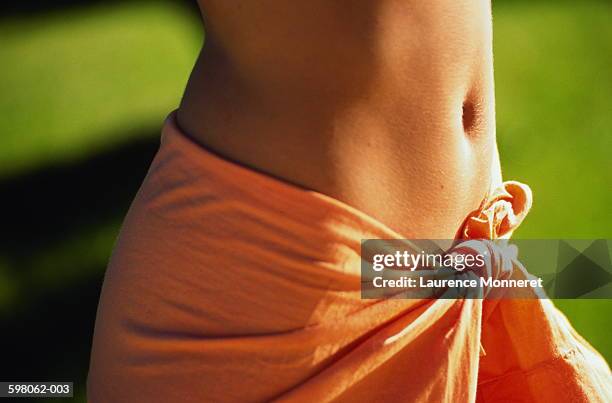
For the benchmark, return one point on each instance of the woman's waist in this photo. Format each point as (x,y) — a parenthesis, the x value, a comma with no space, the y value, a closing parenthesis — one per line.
(413,168)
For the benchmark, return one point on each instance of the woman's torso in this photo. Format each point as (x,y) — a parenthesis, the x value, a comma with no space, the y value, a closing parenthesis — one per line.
(387,106)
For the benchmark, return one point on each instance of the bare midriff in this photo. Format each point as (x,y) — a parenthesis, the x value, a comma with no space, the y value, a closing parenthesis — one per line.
(385,105)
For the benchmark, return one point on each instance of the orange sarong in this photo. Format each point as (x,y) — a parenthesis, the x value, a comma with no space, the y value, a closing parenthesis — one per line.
(227,285)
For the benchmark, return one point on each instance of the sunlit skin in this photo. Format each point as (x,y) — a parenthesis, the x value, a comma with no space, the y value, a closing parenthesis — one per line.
(385,105)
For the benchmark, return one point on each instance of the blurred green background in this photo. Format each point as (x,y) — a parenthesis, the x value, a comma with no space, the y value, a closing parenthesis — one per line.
(85,86)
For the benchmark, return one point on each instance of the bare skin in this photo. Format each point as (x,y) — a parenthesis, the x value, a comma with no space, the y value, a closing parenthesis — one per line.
(386,105)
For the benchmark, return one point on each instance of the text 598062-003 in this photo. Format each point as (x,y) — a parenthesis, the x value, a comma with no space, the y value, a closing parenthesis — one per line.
(36,389)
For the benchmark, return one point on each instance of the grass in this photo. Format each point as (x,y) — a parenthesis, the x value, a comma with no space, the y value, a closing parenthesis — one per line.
(554,89)
(78,81)
(83,82)
(76,84)
(554,127)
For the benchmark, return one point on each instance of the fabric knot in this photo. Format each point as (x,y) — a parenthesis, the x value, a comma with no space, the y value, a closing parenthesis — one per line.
(499,257)
(485,232)
(502,213)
